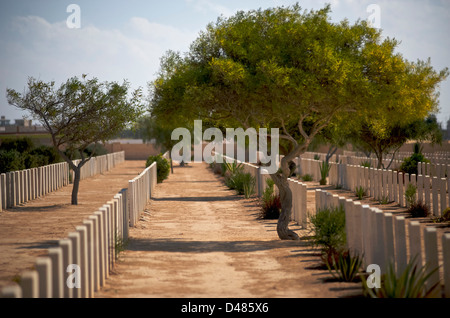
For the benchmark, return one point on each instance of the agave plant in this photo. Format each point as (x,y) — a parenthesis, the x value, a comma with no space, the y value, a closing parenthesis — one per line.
(324,171)
(360,193)
(346,267)
(411,283)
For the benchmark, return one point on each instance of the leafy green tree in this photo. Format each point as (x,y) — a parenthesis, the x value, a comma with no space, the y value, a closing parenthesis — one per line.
(401,94)
(79,113)
(279,68)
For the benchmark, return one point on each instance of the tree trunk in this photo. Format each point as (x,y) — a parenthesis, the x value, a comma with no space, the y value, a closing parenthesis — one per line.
(284,233)
(76,185)
(171,163)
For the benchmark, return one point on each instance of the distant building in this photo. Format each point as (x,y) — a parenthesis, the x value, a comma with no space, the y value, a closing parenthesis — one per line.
(19,126)
(4,122)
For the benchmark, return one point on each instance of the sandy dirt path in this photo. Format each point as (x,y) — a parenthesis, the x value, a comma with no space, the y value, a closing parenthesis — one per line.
(27,231)
(198,239)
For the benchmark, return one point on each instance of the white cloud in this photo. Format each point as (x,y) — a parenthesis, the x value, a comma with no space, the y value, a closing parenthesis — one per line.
(52,51)
(205,6)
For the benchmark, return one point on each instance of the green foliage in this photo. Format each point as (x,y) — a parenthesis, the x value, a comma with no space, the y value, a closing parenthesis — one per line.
(120,245)
(11,160)
(366,164)
(360,192)
(329,230)
(444,218)
(419,210)
(410,194)
(384,200)
(233,167)
(324,171)
(411,283)
(346,268)
(243,183)
(24,144)
(270,202)
(249,185)
(162,167)
(307,177)
(409,164)
(20,153)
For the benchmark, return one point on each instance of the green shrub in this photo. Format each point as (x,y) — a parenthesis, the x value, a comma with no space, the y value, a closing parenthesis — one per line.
(419,210)
(329,231)
(243,183)
(233,167)
(270,202)
(11,160)
(346,268)
(307,177)
(411,283)
(366,164)
(249,185)
(410,194)
(409,164)
(162,167)
(360,193)
(324,170)
(24,144)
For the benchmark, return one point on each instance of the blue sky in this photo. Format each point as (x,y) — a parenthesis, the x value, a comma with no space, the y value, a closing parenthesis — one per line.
(120,40)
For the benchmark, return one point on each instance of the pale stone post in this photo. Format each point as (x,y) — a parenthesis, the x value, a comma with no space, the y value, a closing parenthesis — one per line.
(29,282)
(56,258)
(446,258)
(66,246)
(44,270)
(400,244)
(415,242)
(74,237)
(432,259)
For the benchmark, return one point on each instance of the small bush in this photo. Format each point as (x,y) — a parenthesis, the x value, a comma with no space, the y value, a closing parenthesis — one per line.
(243,183)
(360,193)
(307,177)
(410,194)
(24,144)
(324,171)
(446,215)
(271,202)
(419,210)
(409,164)
(329,231)
(411,283)
(346,268)
(249,185)
(366,164)
(162,167)
(11,160)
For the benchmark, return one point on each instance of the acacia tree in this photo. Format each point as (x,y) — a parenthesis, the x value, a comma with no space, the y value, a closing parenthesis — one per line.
(405,94)
(275,68)
(79,113)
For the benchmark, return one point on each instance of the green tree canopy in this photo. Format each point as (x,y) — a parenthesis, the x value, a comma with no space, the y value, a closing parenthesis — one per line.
(289,69)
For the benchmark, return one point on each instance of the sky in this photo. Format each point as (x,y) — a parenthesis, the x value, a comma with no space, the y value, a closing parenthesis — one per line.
(114,40)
